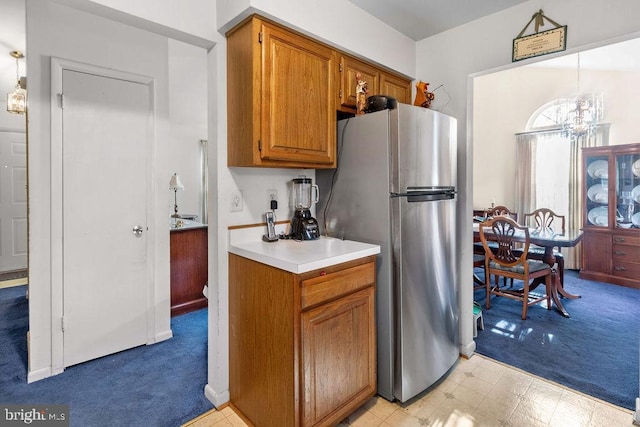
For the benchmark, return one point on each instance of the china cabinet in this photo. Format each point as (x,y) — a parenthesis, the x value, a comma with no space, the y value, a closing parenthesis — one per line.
(611,196)
(302,348)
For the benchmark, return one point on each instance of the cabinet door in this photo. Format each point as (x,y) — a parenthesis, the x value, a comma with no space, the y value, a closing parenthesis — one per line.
(189,269)
(597,199)
(627,197)
(298,106)
(396,87)
(596,252)
(349,68)
(339,358)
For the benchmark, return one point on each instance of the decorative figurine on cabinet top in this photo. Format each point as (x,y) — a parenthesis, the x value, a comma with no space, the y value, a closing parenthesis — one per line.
(361,94)
(423,96)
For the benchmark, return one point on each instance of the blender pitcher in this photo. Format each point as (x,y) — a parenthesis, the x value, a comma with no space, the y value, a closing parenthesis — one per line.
(303,191)
(303,225)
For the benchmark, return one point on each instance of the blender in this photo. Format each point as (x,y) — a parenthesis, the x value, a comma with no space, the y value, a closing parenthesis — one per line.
(303,225)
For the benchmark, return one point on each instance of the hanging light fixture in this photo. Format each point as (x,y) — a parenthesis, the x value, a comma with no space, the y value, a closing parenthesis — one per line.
(582,112)
(17,100)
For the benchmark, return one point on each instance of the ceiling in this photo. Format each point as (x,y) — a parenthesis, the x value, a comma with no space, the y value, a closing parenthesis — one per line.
(419,19)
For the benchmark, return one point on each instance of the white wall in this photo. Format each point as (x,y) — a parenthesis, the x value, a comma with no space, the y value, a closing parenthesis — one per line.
(504,102)
(336,22)
(56,30)
(188,113)
(12,18)
(450,58)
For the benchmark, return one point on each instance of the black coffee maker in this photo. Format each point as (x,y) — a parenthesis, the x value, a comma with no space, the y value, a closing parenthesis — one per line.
(303,225)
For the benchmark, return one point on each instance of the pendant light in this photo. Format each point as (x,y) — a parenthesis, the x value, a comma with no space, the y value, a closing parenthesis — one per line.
(17,100)
(584,111)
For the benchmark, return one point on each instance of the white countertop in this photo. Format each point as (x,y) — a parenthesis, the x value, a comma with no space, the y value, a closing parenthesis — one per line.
(186,224)
(296,256)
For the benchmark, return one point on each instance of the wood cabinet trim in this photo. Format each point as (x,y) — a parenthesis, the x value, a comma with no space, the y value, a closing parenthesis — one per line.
(250,111)
(268,340)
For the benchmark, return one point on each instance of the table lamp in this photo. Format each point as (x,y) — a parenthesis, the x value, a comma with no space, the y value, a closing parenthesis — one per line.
(175,185)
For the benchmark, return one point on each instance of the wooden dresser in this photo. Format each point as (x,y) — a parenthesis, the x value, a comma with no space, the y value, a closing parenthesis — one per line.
(189,268)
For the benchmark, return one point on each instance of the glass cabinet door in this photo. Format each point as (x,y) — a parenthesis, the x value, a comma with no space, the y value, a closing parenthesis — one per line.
(628,191)
(597,185)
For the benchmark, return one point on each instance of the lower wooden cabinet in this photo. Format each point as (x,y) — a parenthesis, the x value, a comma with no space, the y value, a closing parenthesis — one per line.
(189,269)
(302,348)
(612,257)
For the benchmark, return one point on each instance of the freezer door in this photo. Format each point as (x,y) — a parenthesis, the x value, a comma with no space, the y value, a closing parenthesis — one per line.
(426,293)
(424,150)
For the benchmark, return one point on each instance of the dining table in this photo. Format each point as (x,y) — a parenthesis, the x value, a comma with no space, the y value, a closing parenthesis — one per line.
(549,240)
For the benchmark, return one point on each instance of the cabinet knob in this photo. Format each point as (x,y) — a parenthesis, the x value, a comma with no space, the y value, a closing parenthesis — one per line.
(619,269)
(618,239)
(619,252)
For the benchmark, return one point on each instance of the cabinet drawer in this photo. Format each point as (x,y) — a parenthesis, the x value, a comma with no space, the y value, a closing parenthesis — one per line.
(627,240)
(625,253)
(625,269)
(334,285)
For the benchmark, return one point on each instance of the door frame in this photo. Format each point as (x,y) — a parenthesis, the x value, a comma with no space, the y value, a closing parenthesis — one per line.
(58,66)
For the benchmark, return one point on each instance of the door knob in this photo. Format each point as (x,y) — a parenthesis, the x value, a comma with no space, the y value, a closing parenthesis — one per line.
(137,231)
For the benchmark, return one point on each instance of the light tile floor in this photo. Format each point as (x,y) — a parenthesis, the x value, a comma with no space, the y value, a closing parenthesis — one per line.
(478,392)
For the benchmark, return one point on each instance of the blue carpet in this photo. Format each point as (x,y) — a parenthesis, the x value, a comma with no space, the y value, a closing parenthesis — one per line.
(156,385)
(595,351)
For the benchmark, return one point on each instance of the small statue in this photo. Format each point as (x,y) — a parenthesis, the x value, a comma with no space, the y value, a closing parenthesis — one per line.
(361,94)
(423,96)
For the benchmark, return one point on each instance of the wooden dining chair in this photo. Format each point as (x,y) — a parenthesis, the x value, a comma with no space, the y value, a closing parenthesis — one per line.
(478,262)
(490,213)
(502,211)
(504,262)
(544,218)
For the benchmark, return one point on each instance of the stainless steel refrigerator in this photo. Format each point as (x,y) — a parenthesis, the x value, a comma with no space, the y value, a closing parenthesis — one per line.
(395,186)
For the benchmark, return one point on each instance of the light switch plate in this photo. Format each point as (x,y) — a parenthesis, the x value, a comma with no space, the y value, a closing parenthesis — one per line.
(236,201)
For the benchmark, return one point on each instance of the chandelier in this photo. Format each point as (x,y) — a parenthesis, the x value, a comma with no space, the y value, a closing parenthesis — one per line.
(17,100)
(582,112)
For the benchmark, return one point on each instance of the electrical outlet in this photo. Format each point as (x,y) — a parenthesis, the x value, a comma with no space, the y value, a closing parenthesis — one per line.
(236,201)
(271,195)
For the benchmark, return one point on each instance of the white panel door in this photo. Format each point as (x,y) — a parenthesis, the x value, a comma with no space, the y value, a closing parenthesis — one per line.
(13,201)
(105,124)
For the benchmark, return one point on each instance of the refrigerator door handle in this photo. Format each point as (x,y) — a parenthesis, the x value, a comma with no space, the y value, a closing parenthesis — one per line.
(427,194)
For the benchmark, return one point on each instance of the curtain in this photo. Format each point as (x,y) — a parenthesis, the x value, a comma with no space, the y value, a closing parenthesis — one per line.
(535,153)
(525,178)
(575,219)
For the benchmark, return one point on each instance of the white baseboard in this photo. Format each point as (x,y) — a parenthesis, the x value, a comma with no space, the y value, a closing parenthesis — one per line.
(218,399)
(39,374)
(468,350)
(636,415)
(163,336)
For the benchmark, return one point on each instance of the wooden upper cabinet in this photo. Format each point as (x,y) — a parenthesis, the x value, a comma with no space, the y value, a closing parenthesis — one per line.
(379,82)
(283,91)
(349,68)
(396,87)
(281,98)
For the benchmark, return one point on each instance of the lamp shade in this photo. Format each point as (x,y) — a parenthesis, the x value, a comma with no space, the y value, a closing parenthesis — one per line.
(175,183)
